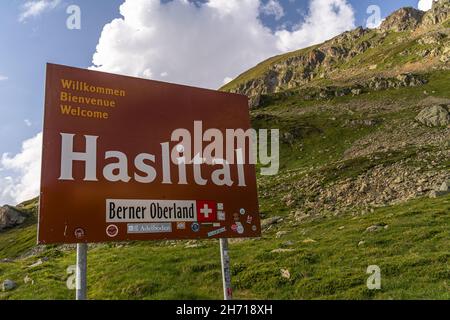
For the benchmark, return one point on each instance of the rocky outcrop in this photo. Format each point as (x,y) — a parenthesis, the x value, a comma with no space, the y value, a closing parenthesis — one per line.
(439,13)
(10,217)
(333,58)
(402,20)
(434,116)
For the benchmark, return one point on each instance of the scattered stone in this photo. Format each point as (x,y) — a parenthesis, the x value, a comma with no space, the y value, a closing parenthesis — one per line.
(280,234)
(341,228)
(356,92)
(361,243)
(443,190)
(285,273)
(375,228)
(300,216)
(434,116)
(270,221)
(36,264)
(281,250)
(8,285)
(445,187)
(288,243)
(309,241)
(28,280)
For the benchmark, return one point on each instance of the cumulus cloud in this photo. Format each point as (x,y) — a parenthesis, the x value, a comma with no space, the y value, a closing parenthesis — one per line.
(34,8)
(326,18)
(206,44)
(3,78)
(20,173)
(273,8)
(425,5)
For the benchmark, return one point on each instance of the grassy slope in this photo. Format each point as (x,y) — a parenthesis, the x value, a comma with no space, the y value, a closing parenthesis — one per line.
(412,254)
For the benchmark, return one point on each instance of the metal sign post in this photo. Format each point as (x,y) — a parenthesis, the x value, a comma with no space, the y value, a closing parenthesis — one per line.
(226,274)
(81,271)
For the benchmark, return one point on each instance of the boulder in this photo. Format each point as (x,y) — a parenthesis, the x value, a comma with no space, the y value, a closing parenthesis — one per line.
(434,116)
(8,285)
(10,217)
(445,186)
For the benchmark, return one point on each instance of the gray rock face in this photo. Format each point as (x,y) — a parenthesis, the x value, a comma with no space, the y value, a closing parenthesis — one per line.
(10,217)
(403,19)
(8,285)
(435,116)
(438,13)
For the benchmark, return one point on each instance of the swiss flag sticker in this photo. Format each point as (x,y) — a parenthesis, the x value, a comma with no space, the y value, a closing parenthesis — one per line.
(206,211)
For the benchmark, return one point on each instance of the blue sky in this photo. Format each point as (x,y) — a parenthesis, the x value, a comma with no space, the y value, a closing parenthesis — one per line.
(28,44)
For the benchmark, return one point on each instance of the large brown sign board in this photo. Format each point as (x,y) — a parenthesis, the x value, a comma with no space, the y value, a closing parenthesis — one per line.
(107,169)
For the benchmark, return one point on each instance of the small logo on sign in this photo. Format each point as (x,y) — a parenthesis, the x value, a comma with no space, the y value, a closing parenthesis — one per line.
(195,227)
(79,233)
(112,231)
(240,228)
(249,219)
(242,211)
(220,215)
(181,225)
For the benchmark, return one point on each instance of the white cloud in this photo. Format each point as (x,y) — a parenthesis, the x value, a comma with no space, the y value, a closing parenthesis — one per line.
(24,179)
(273,8)
(3,78)
(227,80)
(201,44)
(326,18)
(425,5)
(34,8)
(27,122)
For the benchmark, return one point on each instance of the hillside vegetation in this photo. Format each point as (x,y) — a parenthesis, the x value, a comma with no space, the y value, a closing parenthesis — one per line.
(364,167)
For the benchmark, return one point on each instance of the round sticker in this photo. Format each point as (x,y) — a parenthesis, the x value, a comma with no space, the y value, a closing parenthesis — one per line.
(234,227)
(242,211)
(79,233)
(112,231)
(254,228)
(240,229)
(195,227)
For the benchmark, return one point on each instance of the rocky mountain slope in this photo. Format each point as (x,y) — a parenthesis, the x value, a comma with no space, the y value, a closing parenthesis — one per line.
(364,179)
(407,41)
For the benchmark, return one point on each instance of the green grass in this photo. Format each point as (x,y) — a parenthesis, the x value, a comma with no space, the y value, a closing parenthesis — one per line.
(412,254)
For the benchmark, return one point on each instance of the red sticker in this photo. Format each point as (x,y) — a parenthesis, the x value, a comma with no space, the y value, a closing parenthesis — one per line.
(206,211)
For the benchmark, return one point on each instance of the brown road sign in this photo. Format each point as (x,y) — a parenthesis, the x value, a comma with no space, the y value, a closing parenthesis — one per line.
(133,159)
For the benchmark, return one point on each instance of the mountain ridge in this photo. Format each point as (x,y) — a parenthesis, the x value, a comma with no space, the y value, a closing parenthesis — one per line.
(356,54)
